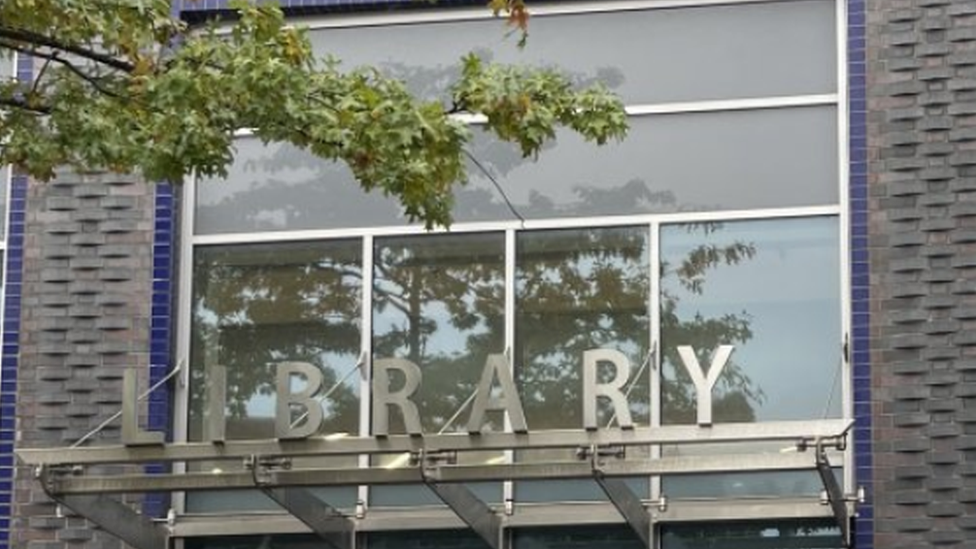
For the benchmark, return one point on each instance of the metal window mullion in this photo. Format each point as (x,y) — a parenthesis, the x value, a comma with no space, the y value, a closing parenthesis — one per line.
(654,264)
(184,315)
(737,104)
(531,224)
(366,354)
(475,14)
(511,241)
(699,106)
(846,283)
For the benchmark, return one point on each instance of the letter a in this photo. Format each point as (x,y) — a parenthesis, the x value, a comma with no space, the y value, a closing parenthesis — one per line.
(497,366)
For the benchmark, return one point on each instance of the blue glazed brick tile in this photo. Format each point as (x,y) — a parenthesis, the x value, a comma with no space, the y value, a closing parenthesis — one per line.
(161,286)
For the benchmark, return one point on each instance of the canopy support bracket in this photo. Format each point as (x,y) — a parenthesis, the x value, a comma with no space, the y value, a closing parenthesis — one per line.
(110,515)
(834,493)
(468,507)
(336,529)
(627,503)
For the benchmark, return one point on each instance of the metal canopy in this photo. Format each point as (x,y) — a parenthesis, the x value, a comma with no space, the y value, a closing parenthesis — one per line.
(451,442)
(602,456)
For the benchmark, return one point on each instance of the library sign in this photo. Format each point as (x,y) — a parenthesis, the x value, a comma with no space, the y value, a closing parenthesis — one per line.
(496,391)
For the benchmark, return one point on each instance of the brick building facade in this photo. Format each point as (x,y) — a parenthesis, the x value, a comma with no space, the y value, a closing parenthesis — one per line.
(98,270)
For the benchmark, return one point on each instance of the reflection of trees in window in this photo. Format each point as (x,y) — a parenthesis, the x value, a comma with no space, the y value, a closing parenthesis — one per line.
(439,301)
(734,393)
(257,306)
(579,290)
(586,289)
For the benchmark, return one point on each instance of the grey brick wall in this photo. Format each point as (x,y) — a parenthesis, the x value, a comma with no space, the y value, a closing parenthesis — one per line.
(85,317)
(922,141)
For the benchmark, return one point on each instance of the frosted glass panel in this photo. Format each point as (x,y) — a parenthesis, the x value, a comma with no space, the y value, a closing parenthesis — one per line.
(648,56)
(670,163)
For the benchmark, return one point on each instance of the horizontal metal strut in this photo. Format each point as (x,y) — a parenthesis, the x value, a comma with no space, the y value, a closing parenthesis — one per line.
(376,476)
(452,442)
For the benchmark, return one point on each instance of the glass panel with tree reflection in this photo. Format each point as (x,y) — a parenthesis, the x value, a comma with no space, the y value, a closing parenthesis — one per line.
(258,306)
(771,289)
(578,290)
(439,302)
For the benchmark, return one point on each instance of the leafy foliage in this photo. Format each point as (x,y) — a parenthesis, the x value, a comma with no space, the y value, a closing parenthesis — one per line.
(125,86)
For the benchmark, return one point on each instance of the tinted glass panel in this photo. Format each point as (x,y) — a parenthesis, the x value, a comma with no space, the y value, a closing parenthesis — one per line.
(439,302)
(586,537)
(256,307)
(425,539)
(772,290)
(733,51)
(279,187)
(793,534)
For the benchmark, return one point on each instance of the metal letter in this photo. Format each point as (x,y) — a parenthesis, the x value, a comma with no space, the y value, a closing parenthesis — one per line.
(132,435)
(383,397)
(612,390)
(313,380)
(704,384)
(497,366)
(214,427)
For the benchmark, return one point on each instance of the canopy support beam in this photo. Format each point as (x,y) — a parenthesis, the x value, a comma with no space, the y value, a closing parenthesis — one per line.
(627,503)
(336,529)
(110,515)
(835,494)
(468,507)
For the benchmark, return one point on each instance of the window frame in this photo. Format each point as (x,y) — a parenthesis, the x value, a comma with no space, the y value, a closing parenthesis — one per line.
(557,512)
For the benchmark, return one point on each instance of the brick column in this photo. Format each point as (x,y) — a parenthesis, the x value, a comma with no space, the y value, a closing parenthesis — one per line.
(87,283)
(922,138)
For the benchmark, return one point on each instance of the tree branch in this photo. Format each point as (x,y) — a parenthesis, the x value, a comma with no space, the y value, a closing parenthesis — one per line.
(23,105)
(67,64)
(38,39)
